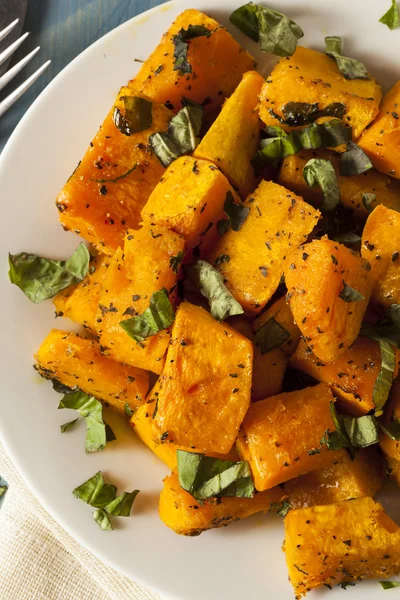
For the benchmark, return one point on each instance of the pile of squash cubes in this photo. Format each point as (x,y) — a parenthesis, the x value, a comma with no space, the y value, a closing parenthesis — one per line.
(216,392)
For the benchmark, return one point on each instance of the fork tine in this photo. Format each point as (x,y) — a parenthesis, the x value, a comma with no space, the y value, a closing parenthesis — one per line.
(7,30)
(13,97)
(11,73)
(11,49)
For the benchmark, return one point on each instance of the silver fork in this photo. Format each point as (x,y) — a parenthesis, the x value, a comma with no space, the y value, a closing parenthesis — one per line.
(11,73)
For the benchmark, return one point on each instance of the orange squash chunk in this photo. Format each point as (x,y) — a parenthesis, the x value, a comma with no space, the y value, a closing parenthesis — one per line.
(352,188)
(233,139)
(79,302)
(281,313)
(77,361)
(391,448)
(315,279)
(344,542)
(281,436)
(204,390)
(278,222)
(101,211)
(143,268)
(217,63)
(381,141)
(352,376)
(313,77)
(381,247)
(190,200)
(184,515)
(345,479)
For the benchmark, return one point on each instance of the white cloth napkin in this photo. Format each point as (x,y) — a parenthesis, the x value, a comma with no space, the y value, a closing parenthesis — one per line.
(41,561)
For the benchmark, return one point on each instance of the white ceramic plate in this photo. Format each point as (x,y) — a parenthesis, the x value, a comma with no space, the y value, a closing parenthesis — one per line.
(244,560)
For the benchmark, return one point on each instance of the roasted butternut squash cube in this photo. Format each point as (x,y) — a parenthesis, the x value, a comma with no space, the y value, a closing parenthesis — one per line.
(107,191)
(212,67)
(281,436)
(352,189)
(390,447)
(381,247)
(352,376)
(145,267)
(277,223)
(77,361)
(184,515)
(281,313)
(233,139)
(79,302)
(329,287)
(337,543)
(314,78)
(204,390)
(381,141)
(190,200)
(347,478)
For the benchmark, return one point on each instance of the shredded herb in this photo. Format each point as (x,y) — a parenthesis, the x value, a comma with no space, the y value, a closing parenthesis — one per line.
(320,172)
(282,508)
(3,490)
(349,294)
(123,176)
(157,317)
(349,67)
(271,335)
(175,261)
(138,115)
(296,114)
(180,41)
(354,161)
(392,19)
(236,213)
(368,199)
(388,585)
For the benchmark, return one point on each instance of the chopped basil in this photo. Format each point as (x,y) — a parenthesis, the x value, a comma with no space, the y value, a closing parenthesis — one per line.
(354,161)
(92,411)
(60,388)
(67,426)
(272,29)
(391,429)
(271,335)
(128,411)
(387,329)
(236,213)
(95,491)
(392,19)
(138,115)
(388,585)
(102,519)
(368,199)
(175,261)
(206,477)
(362,431)
(122,505)
(282,508)
(182,135)
(384,380)
(223,226)
(3,489)
(211,284)
(157,317)
(349,67)
(180,41)
(320,172)
(348,237)
(341,440)
(42,278)
(123,176)
(296,114)
(349,294)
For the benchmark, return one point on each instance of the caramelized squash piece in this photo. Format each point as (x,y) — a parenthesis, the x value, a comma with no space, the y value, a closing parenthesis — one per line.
(391,448)
(190,200)
(77,361)
(336,543)
(346,479)
(79,302)
(217,63)
(106,192)
(381,141)
(352,188)
(143,268)
(281,436)
(277,223)
(204,391)
(381,247)
(281,313)
(314,78)
(352,376)
(233,138)
(183,513)
(327,312)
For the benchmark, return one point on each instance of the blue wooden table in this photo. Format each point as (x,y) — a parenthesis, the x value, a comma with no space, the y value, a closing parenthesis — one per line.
(63,29)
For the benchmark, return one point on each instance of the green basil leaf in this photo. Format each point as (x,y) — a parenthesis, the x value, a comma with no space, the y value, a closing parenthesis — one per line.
(211,284)
(384,380)
(206,477)
(121,506)
(333,440)
(349,294)
(110,435)
(223,226)
(362,431)
(271,335)
(175,261)
(95,491)
(354,161)
(296,114)
(348,237)
(42,278)
(236,213)
(391,429)
(388,329)
(368,199)
(282,508)
(128,411)
(180,41)
(388,585)
(321,172)
(138,115)
(60,388)
(245,18)
(67,426)
(164,148)
(349,67)
(157,317)
(277,33)
(3,490)
(92,411)
(102,519)
(339,425)
(115,179)
(392,19)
